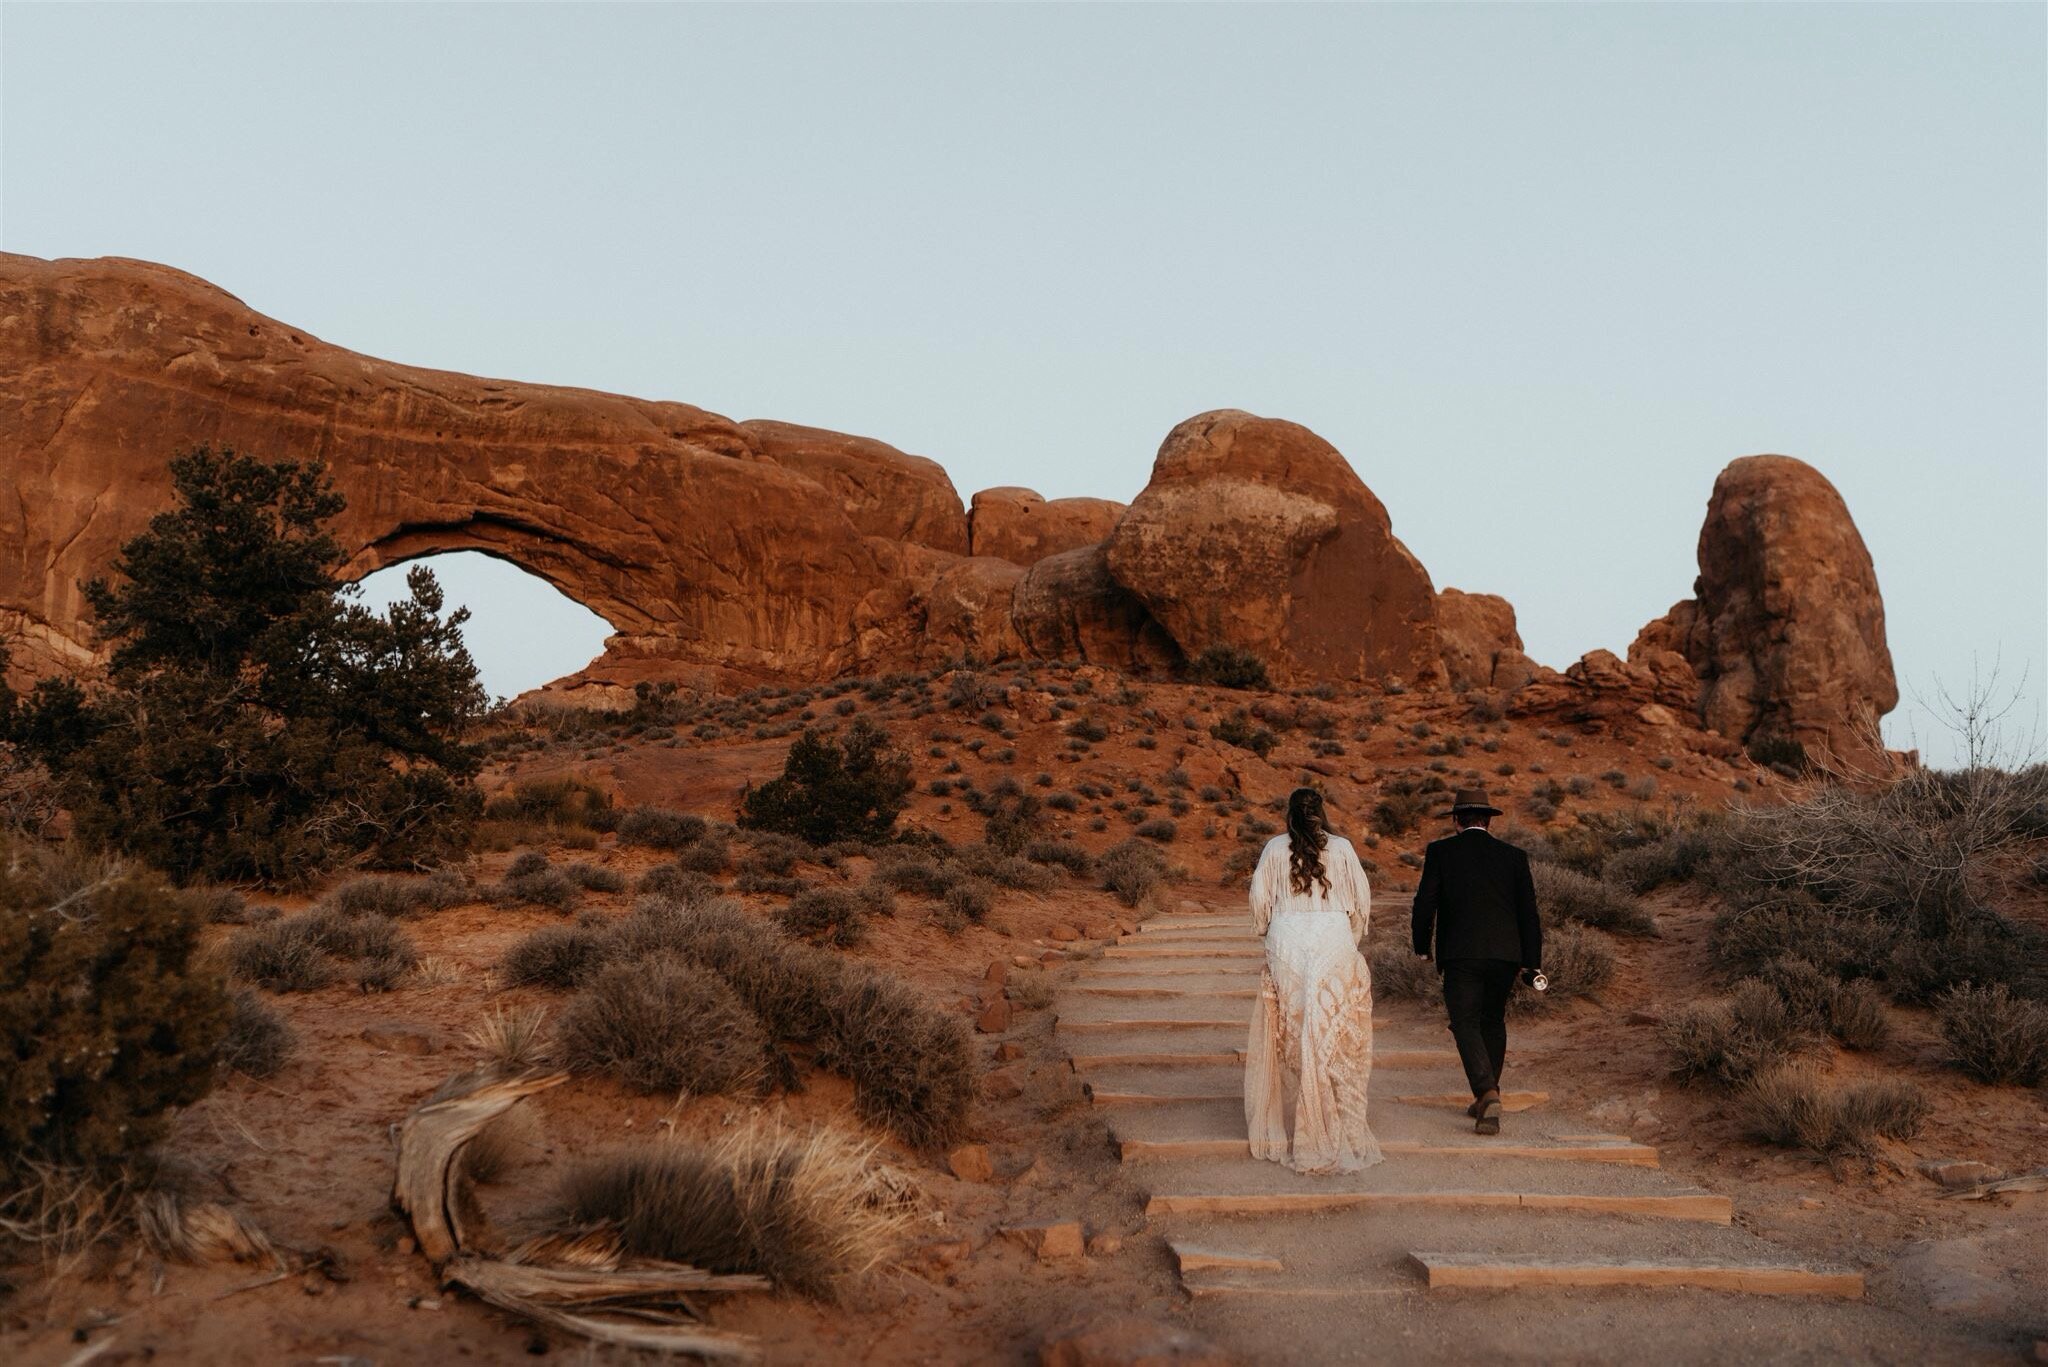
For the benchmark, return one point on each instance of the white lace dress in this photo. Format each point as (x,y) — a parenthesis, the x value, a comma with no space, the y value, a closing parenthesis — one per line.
(1310,1052)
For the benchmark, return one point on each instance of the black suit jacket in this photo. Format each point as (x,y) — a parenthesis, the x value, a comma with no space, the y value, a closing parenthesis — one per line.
(1478,901)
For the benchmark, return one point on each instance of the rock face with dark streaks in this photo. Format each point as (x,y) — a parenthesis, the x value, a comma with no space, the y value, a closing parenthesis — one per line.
(1255,533)
(1019,526)
(1785,629)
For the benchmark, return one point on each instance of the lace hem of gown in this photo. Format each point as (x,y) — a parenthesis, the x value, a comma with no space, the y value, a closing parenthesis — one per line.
(1310,1053)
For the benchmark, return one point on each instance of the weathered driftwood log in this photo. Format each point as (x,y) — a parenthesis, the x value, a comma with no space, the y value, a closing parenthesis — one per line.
(582,1285)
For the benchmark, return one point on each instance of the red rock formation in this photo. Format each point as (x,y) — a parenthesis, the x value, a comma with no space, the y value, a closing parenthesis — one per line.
(1255,533)
(1481,648)
(885,492)
(1068,607)
(698,538)
(1018,525)
(1786,626)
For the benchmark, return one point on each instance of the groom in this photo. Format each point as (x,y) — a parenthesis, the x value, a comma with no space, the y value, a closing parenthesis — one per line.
(1478,900)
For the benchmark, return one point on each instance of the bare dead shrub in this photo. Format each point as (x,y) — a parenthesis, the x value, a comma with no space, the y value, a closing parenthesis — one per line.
(1858,1016)
(806,1212)
(970,899)
(660,1024)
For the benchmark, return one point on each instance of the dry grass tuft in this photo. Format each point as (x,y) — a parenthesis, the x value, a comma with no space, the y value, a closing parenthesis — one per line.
(802,1211)
(1567,893)
(513,1039)
(184,1231)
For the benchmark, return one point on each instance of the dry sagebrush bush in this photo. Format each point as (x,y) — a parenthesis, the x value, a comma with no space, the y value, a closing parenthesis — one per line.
(555,956)
(395,897)
(661,829)
(1565,892)
(1994,1036)
(827,915)
(911,1064)
(284,956)
(1733,1040)
(1795,1106)
(807,1212)
(1858,1017)
(1132,869)
(1400,974)
(257,1041)
(660,1024)
(1578,962)
(1676,858)
(1065,854)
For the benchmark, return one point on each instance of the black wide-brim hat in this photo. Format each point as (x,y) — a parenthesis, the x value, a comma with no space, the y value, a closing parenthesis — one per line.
(1472,800)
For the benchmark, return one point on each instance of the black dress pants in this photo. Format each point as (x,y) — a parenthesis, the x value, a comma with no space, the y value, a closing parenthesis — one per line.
(1476,995)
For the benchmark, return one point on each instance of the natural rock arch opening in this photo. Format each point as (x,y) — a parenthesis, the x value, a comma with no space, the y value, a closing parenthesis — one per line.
(523,631)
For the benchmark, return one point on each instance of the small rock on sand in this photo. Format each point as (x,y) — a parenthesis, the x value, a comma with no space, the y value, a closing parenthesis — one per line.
(1048,1239)
(970,1163)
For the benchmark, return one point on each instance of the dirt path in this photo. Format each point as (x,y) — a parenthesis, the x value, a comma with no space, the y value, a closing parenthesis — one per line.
(1555,1241)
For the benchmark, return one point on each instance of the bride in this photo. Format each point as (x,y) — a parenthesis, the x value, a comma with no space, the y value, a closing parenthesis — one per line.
(1311,1036)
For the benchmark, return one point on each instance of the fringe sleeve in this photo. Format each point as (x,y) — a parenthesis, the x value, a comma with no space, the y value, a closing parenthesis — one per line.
(1357,890)
(1269,884)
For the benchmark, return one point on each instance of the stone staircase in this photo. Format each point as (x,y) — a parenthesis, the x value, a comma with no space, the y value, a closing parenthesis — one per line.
(1552,1206)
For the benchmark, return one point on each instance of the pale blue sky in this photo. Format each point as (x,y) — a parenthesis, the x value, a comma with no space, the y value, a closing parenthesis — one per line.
(1539,271)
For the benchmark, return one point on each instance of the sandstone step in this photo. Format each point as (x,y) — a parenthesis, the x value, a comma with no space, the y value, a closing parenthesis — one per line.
(1509,1101)
(1633,1155)
(1193,1257)
(1232,973)
(1385,1058)
(1500,1270)
(1702,1206)
(1176,951)
(1089,989)
(1088,1027)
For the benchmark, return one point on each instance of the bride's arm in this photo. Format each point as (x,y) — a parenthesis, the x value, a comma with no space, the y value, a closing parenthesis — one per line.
(1267,880)
(1358,905)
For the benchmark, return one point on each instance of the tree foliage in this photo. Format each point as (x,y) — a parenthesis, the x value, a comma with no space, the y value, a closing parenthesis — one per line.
(256,720)
(830,790)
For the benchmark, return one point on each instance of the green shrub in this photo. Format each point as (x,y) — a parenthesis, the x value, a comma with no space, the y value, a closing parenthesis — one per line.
(256,721)
(107,1022)
(1994,1036)
(1228,666)
(830,790)
(659,1024)
(1564,892)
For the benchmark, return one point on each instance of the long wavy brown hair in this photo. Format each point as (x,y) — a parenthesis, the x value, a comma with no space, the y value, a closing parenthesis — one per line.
(1308,831)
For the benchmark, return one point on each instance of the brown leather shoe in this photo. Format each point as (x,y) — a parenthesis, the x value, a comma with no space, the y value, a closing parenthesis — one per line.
(1488,1114)
(1473,1109)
